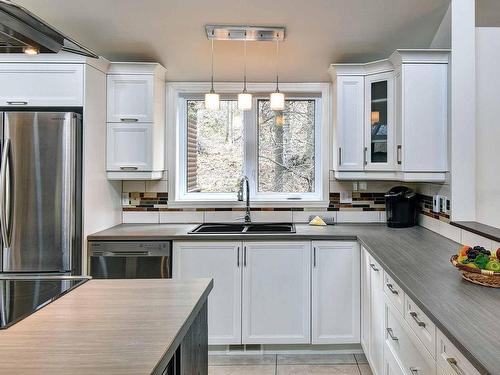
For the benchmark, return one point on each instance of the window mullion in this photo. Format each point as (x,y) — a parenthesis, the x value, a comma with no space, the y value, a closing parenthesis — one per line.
(250,159)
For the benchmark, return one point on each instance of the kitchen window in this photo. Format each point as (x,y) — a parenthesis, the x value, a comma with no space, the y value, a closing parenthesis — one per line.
(280,152)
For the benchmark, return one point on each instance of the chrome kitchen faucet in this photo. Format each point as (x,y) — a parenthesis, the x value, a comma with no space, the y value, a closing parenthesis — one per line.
(245,185)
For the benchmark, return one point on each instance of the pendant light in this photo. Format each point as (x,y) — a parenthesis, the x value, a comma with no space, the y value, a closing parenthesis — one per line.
(244,98)
(277,98)
(212,100)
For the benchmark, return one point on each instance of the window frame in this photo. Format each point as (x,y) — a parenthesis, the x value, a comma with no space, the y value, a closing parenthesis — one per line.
(177,96)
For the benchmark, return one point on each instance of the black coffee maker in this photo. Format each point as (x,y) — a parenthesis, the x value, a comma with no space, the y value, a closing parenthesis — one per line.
(401,207)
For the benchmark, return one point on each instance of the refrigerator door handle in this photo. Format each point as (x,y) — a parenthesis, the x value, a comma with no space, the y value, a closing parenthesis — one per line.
(3,182)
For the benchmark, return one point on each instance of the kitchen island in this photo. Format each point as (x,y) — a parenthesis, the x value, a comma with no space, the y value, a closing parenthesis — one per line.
(415,258)
(113,327)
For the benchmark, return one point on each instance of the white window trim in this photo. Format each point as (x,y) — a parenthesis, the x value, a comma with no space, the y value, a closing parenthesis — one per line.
(175,130)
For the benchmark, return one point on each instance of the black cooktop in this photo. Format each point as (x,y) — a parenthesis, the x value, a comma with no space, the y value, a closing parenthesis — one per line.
(20,297)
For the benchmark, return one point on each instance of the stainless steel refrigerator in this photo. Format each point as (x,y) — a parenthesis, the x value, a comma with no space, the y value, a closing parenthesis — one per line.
(40,192)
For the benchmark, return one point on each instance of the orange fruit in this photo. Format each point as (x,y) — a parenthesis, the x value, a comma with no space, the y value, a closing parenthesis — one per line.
(463,251)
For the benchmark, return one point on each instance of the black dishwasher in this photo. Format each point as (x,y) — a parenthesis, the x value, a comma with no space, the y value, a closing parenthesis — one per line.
(130,259)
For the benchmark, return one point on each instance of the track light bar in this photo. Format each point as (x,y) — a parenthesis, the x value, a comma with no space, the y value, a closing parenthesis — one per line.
(251,33)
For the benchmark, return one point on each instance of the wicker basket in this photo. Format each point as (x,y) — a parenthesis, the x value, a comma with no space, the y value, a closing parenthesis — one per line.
(477,276)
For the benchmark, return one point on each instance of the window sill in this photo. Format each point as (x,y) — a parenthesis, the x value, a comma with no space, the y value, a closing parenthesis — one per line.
(253,204)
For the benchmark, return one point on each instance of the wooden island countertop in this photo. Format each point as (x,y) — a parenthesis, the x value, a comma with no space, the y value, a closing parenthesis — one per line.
(106,327)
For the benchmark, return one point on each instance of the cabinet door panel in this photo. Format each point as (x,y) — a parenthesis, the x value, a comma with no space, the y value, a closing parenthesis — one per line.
(377,317)
(130,98)
(129,147)
(365,301)
(276,293)
(350,123)
(335,292)
(379,122)
(220,261)
(41,85)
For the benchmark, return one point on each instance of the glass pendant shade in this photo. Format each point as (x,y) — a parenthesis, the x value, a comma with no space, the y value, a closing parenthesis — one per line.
(277,101)
(244,101)
(212,101)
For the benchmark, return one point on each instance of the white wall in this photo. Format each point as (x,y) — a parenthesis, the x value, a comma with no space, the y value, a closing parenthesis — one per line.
(487,126)
(442,38)
(463,110)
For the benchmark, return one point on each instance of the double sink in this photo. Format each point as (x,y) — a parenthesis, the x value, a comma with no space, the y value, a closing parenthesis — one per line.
(244,228)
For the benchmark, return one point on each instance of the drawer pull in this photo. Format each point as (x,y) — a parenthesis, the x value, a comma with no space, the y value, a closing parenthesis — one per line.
(416,319)
(17,103)
(130,168)
(373,267)
(414,370)
(128,119)
(454,365)
(390,332)
(391,288)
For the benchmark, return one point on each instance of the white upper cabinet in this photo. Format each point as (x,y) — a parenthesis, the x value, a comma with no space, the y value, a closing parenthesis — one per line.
(349,109)
(391,117)
(41,85)
(276,292)
(335,292)
(130,98)
(136,121)
(379,122)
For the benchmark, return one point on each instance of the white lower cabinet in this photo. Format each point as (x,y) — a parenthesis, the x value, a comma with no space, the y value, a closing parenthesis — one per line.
(391,365)
(449,360)
(335,292)
(221,261)
(374,314)
(276,292)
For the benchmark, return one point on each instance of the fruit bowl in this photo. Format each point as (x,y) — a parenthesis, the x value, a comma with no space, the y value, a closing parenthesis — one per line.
(478,265)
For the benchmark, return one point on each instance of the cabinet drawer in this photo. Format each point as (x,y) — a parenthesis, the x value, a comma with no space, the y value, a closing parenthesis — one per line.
(130,98)
(129,147)
(391,365)
(406,347)
(421,325)
(449,360)
(394,293)
(41,85)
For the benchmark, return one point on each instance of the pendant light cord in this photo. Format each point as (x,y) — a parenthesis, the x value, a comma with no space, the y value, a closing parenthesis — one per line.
(245,64)
(212,79)
(277,55)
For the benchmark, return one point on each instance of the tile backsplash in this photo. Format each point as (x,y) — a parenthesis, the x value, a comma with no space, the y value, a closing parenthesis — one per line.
(147,205)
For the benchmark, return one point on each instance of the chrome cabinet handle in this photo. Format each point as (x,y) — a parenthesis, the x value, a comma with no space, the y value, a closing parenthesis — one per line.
(340,155)
(238,258)
(244,256)
(390,332)
(391,288)
(128,119)
(364,156)
(128,168)
(414,315)
(454,365)
(414,370)
(398,152)
(17,103)
(314,256)
(373,267)
(3,182)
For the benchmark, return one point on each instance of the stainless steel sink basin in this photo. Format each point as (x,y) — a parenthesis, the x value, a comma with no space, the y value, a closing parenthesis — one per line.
(242,228)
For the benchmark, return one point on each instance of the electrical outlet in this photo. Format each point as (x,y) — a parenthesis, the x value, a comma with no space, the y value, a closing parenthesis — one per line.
(443,204)
(345,197)
(363,185)
(354,186)
(125,199)
(436,203)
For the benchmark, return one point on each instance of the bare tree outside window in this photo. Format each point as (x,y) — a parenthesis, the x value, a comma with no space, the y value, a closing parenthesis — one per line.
(286,147)
(214,147)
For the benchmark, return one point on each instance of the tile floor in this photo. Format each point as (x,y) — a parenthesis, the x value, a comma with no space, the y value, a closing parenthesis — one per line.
(288,364)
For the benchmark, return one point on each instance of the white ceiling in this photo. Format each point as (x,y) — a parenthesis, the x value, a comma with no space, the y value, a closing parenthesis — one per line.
(319,32)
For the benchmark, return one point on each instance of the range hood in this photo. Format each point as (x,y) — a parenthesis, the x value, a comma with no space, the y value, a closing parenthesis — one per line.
(21,30)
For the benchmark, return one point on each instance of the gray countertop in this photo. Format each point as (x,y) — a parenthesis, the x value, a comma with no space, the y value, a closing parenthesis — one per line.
(105,327)
(416,258)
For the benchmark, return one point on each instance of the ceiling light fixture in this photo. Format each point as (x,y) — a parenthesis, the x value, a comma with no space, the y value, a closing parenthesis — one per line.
(212,100)
(30,50)
(244,98)
(277,97)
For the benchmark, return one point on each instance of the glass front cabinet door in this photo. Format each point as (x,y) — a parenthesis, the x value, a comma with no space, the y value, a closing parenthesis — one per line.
(379,122)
